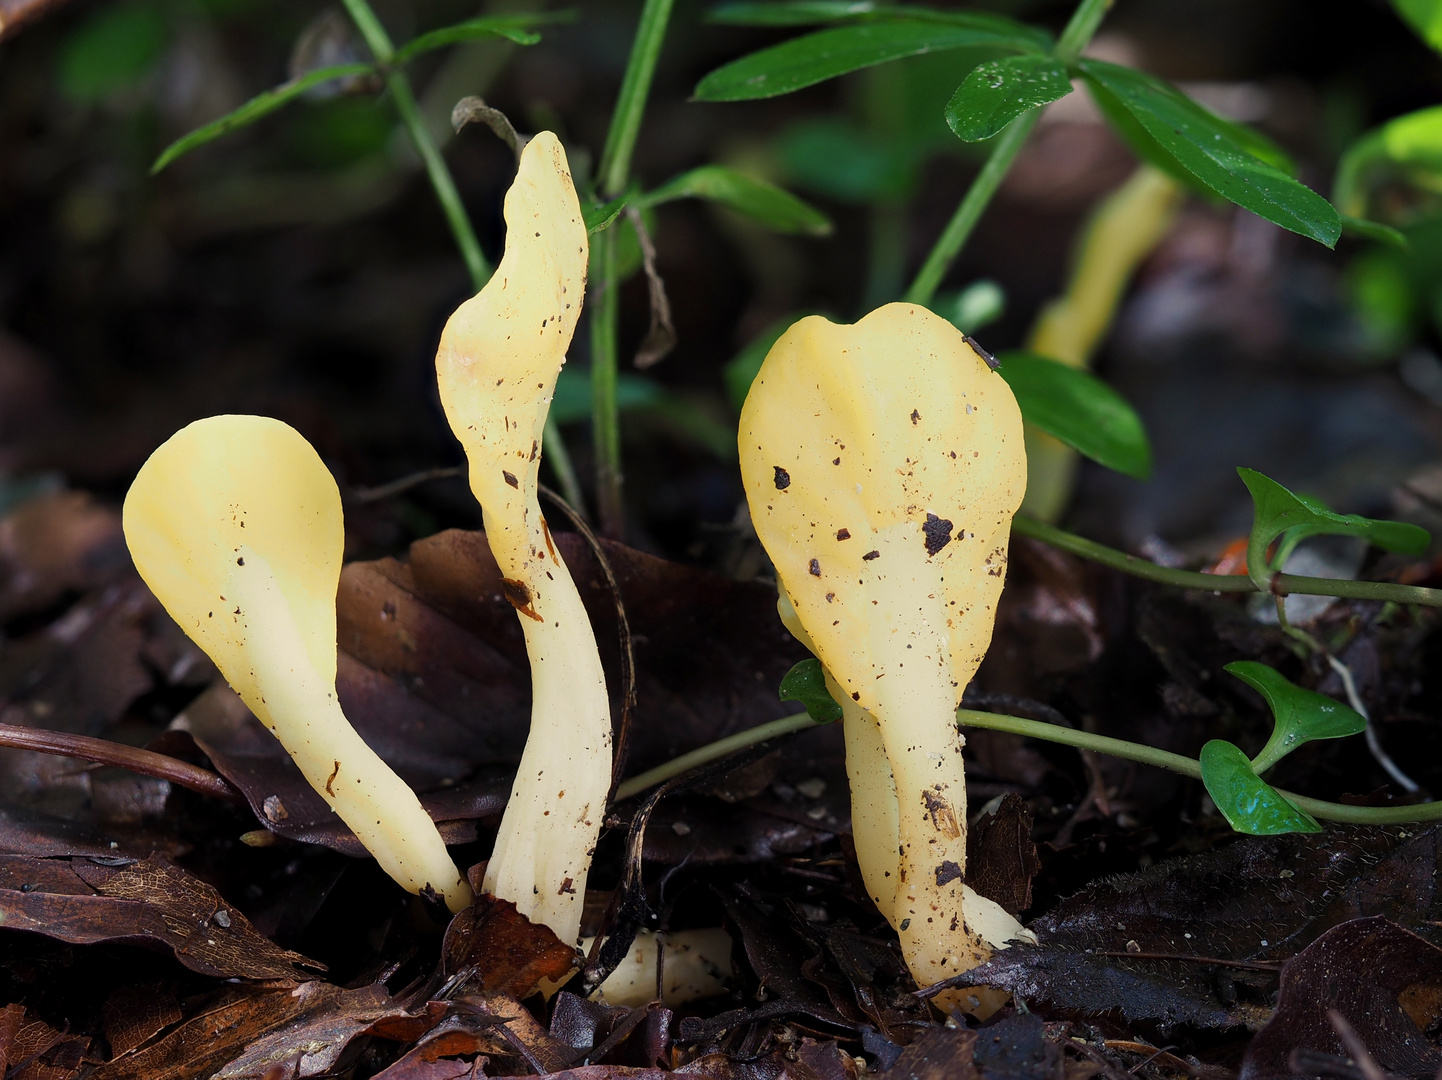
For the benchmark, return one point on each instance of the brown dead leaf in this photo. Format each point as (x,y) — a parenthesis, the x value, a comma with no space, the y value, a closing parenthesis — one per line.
(31,1049)
(54,544)
(1358,968)
(1001,858)
(509,954)
(133,1015)
(938,1054)
(222,1029)
(151,901)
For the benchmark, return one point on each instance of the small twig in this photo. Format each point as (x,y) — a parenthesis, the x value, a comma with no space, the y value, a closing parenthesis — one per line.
(661,337)
(1244,965)
(622,744)
(103,752)
(404,484)
(1355,1047)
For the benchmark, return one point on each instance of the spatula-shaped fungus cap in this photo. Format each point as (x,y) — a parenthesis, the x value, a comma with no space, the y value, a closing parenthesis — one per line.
(235,524)
(497,364)
(883,463)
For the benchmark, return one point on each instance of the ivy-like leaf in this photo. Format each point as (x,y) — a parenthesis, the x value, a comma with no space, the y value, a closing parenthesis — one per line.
(1277,512)
(511,27)
(1298,715)
(806,684)
(1250,805)
(998,91)
(825,54)
(1080,410)
(261,105)
(1236,163)
(759,200)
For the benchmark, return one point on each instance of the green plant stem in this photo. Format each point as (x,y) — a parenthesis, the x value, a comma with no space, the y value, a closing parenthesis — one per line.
(605,308)
(712,752)
(1281,584)
(1036,729)
(614,176)
(615,168)
(1004,149)
(436,170)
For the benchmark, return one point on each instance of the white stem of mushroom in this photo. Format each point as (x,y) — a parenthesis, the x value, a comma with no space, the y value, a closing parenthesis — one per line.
(548,833)
(300,708)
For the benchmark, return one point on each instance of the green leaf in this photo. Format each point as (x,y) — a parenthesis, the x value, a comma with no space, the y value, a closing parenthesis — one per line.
(825,54)
(1374,230)
(788,12)
(838,159)
(1250,805)
(1080,410)
(1425,17)
(1225,157)
(969,309)
(257,107)
(806,683)
(600,216)
(1410,144)
(572,400)
(740,371)
(1277,512)
(511,27)
(113,49)
(1298,716)
(759,200)
(998,91)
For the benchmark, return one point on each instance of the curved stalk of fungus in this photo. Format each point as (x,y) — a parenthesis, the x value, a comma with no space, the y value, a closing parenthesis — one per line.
(497,364)
(883,463)
(698,965)
(235,524)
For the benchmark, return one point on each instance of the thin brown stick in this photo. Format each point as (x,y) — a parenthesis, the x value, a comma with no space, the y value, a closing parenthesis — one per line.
(104,752)
(623,625)
(405,483)
(1245,965)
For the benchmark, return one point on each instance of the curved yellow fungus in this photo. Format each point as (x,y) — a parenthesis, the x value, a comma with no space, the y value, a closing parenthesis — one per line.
(235,524)
(497,364)
(883,463)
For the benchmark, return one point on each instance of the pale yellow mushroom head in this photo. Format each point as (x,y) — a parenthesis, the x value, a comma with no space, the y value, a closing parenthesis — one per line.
(497,365)
(235,524)
(883,463)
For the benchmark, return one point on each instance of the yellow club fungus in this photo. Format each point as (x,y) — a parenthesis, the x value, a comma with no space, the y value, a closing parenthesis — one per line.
(235,524)
(497,364)
(883,463)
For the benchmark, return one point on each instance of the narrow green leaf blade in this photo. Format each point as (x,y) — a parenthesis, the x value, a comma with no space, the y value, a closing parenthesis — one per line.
(759,200)
(257,107)
(1374,230)
(1275,511)
(1298,715)
(741,370)
(806,684)
(1250,805)
(998,91)
(1220,154)
(813,58)
(1080,410)
(788,12)
(599,216)
(1423,16)
(515,28)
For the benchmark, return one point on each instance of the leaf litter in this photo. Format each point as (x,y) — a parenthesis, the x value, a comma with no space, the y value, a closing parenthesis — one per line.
(1203,964)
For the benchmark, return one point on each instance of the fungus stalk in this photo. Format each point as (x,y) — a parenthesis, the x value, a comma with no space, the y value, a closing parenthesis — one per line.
(235,524)
(497,364)
(883,463)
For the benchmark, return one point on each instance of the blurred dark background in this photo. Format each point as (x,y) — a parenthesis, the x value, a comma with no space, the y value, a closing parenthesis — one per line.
(301,267)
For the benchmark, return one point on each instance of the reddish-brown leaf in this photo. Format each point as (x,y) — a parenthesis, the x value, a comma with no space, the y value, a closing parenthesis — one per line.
(509,954)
